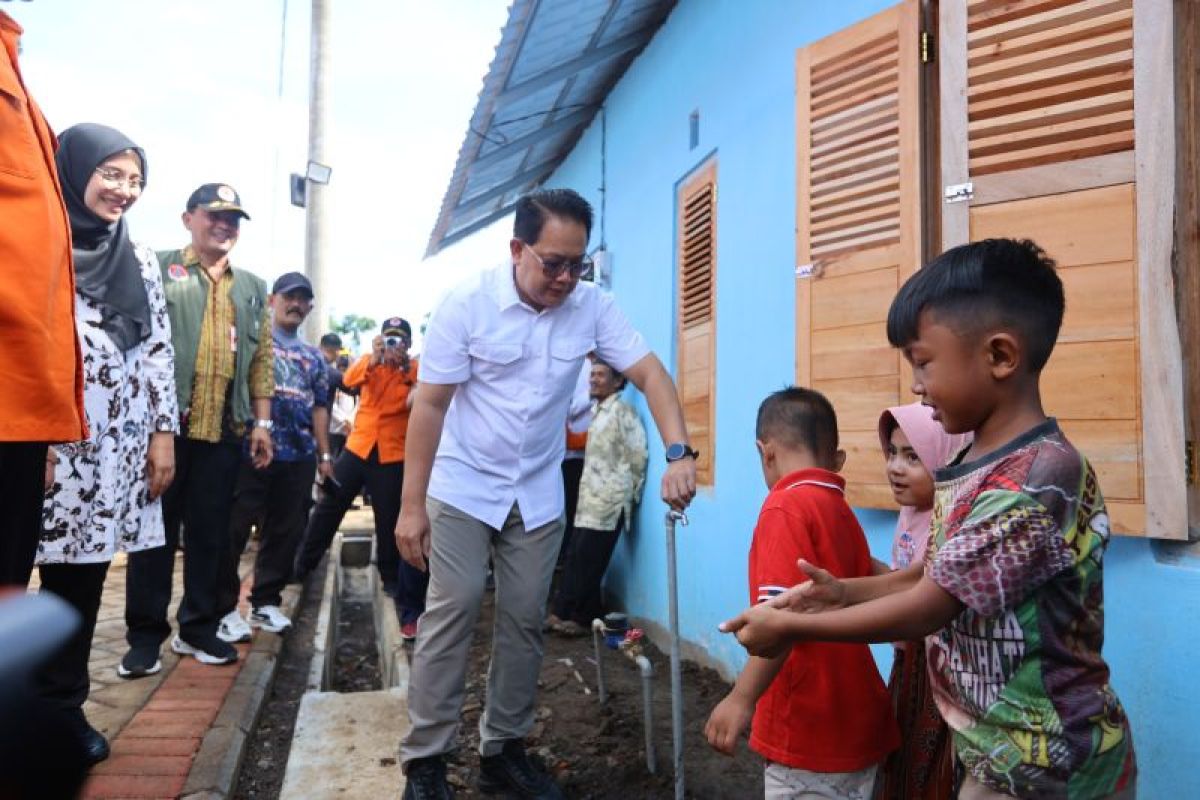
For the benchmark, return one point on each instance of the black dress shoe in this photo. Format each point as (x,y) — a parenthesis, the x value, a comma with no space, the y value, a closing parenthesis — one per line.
(425,779)
(95,746)
(511,771)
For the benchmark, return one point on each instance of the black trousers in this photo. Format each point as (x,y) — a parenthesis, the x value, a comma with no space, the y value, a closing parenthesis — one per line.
(278,496)
(572,473)
(337,443)
(579,587)
(22,493)
(200,500)
(384,482)
(63,679)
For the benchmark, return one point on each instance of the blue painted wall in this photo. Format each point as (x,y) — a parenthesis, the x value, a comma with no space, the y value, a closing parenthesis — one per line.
(733,61)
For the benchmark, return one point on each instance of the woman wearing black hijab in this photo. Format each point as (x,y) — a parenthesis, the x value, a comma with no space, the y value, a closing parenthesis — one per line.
(104,491)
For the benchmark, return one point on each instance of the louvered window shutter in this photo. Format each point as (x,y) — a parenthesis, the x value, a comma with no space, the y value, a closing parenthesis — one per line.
(696,310)
(858,226)
(1048,132)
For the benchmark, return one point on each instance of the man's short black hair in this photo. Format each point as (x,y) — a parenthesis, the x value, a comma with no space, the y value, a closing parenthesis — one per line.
(620,376)
(533,208)
(331,340)
(1009,283)
(799,418)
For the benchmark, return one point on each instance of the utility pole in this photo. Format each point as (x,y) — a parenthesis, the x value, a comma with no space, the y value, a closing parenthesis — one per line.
(316,239)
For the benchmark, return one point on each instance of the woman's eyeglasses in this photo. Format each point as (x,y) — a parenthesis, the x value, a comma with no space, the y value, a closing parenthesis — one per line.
(115,179)
(553,267)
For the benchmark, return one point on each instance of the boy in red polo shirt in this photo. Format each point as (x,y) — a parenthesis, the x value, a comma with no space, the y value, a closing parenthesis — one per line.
(821,714)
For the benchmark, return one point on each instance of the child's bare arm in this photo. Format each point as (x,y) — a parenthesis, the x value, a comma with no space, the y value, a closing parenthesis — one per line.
(825,592)
(905,615)
(732,715)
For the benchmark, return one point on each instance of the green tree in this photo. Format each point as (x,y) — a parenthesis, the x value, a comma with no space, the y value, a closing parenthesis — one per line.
(353,327)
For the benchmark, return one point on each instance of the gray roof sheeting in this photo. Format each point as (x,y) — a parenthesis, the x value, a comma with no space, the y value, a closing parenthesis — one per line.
(556,62)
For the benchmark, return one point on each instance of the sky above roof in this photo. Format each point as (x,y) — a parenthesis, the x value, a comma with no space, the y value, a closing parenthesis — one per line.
(196,83)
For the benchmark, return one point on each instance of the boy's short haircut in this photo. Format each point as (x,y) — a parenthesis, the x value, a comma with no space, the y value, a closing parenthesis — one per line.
(1009,283)
(799,418)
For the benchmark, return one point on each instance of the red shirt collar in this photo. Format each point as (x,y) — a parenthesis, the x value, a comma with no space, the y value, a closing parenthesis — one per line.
(813,475)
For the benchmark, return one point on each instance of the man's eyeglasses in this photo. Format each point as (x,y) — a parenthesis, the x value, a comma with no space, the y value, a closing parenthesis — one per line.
(115,179)
(553,267)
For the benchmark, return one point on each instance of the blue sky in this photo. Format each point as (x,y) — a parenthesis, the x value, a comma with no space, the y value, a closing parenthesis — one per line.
(195,83)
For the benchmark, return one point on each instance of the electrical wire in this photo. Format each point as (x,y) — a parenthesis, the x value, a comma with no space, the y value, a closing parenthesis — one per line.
(503,140)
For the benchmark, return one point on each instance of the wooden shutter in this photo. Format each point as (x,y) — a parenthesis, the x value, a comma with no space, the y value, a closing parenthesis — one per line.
(858,225)
(1048,129)
(696,310)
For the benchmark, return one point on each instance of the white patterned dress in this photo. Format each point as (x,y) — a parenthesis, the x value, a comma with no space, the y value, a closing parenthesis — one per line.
(99,502)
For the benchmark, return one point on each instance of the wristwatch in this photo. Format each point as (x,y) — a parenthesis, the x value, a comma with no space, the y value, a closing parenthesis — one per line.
(680,451)
(265,424)
(326,457)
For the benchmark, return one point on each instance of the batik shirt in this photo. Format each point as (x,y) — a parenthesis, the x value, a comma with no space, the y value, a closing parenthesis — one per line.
(301,383)
(216,360)
(1018,537)
(614,466)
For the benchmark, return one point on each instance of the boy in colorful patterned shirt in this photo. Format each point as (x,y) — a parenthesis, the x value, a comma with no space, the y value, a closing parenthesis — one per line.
(1010,596)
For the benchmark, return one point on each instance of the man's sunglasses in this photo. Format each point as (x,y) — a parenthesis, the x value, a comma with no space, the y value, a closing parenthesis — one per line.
(554,267)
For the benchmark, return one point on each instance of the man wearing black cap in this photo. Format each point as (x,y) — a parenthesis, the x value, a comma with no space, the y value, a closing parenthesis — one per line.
(374,456)
(279,493)
(224,379)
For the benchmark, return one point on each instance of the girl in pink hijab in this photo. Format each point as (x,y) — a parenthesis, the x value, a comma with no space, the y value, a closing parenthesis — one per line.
(915,445)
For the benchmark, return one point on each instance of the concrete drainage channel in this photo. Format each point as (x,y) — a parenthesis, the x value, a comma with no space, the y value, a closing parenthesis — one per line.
(345,744)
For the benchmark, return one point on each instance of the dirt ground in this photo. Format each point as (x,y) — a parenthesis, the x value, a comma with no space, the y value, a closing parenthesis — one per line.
(595,751)
(265,761)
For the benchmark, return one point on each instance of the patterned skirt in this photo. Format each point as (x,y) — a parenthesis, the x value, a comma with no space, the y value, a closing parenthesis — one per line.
(923,766)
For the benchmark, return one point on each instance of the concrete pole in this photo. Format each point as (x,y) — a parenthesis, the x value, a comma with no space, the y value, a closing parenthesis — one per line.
(316,238)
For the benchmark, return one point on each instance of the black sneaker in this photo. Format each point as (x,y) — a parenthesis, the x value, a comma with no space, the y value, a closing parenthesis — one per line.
(425,779)
(207,650)
(140,661)
(511,771)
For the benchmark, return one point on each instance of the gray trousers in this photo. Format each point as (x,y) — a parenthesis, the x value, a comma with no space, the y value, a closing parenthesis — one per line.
(523,566)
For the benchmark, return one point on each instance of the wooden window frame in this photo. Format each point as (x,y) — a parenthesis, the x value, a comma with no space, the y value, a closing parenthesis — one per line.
(1152,166)
(702,174)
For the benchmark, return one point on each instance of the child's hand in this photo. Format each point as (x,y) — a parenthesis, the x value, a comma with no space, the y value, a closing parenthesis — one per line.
(727,722)
(761,630)
(821,593)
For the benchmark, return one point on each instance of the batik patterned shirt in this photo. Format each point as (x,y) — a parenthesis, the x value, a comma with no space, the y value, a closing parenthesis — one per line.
(614,466)
(216,360)
(1019,538)
(301,384)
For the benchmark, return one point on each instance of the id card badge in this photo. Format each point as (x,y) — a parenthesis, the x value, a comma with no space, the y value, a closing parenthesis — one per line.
(233,338)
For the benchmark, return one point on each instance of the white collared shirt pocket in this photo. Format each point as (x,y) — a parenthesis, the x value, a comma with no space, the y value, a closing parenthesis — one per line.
(491,360)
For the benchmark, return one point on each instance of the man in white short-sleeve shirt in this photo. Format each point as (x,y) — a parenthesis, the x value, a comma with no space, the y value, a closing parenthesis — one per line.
(485,440)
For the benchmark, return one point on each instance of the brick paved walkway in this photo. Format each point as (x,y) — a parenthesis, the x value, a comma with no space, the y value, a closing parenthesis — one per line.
(154,725)
(158,725)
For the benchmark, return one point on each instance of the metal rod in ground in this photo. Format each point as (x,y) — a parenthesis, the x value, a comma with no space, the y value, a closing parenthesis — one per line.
(676,660)
(648,710)
(597,635)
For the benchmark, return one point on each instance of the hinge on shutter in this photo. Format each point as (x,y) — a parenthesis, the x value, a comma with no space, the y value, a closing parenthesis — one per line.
(959,192)
(1190,464)
(926,48)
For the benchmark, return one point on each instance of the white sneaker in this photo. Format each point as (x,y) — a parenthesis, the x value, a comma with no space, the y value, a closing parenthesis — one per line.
(213,653)
(234,628)
(270,619)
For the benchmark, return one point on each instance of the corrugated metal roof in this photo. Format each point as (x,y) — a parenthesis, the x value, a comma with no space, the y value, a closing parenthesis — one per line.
(556,62)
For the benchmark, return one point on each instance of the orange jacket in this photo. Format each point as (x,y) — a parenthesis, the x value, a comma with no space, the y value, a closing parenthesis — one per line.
(382,418)
(42,398)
